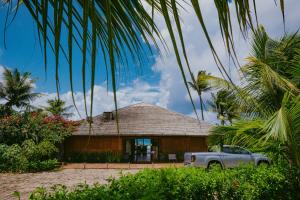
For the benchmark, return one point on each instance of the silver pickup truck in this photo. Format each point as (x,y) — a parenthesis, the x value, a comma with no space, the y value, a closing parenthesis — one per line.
(230,156)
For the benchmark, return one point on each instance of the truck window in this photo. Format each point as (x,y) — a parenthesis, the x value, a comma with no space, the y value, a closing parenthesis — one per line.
(227,150)
(241,151)
(235,150)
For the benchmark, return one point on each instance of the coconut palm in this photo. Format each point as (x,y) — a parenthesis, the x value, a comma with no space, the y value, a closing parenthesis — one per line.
(269,98)
(266,76)
(269,72)
(112,28)
(17,89)
(200,84)
(57,107)
(278,134)
(224,104)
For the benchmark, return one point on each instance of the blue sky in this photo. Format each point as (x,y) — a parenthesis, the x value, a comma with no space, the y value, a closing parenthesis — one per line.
(23,51)
(159,82)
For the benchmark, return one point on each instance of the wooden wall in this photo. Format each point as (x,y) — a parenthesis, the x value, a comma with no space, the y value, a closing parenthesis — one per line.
(177,144)
(95,144)
(167,144)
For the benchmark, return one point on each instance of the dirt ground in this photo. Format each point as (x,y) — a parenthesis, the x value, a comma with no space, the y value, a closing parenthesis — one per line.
(25,183)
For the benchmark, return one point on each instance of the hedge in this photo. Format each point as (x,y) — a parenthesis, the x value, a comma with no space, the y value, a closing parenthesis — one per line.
(273,182)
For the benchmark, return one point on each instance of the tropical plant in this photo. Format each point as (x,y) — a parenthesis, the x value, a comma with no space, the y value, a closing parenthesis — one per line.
(16,90)
(267,75)
(249,183)
(111,28)
(224,104)
(29,156)
(200,84)
(31,141)
(57,107)
(17,128)
(268,99)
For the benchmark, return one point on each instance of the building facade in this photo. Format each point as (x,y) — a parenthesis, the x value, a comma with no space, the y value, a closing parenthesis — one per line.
(144,133)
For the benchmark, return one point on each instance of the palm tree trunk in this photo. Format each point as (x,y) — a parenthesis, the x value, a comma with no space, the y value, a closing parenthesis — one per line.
(201,105)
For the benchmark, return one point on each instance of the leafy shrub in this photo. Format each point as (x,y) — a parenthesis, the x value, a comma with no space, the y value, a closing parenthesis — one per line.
(28,156)
(29,141)
(44,165)
(111,157)
(189,183)
(16,128)
(94,157)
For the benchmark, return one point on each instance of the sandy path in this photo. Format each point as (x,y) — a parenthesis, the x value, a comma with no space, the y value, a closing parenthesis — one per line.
(27,182)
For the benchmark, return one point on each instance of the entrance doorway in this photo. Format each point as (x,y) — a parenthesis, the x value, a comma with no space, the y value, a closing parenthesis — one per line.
(141,150)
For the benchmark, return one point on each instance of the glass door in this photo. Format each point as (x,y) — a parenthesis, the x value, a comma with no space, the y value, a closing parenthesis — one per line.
(142,150)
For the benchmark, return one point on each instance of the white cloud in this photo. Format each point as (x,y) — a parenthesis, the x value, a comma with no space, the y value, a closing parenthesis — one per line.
(103,99)
(171,92)
(208,116)
(199,54)
(1,72)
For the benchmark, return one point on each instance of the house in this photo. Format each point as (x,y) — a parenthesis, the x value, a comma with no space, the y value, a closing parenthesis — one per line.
(147,133)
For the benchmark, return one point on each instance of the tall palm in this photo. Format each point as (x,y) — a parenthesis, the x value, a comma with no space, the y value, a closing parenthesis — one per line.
(112,28)
(17,89)
(58,107)
(200,84)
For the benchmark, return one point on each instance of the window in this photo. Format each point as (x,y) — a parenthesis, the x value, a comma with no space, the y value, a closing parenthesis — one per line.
(235,150)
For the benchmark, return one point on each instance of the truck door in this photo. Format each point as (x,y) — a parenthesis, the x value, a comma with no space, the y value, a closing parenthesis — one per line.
(243,156)
(234,156)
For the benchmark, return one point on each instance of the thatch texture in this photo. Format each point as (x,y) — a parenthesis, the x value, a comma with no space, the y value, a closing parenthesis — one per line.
(145,120)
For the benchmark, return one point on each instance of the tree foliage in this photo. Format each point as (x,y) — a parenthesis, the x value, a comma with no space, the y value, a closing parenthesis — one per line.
(31,141)
(17,128)
(200,84)
(57,107)
(16,90)
(269,99)
(224,104)
(111,28)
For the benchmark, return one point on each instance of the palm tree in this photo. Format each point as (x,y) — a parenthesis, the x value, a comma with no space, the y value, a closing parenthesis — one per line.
(279,133)
(269,72)
(57,107)
(224,104)
(112,28)
(200,84)
(269,98)
(17,89)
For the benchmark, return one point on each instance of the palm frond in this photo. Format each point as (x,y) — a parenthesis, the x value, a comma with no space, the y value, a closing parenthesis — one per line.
(122,26)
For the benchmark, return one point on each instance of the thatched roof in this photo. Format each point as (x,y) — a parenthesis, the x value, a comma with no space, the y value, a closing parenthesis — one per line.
(146,120)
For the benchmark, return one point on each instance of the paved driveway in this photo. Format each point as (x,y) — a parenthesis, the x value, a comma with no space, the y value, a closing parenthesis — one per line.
(27,182)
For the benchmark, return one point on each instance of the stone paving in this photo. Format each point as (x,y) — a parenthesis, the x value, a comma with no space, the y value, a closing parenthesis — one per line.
(70,175)
(119,165)
(27,182)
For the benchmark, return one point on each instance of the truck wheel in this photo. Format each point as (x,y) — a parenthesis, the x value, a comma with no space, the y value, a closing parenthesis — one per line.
(214,165)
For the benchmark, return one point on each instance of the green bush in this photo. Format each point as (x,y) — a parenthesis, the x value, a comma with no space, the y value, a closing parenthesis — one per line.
(103,157)
(44,165)
(17,128)
(273,182)
(28,156)
(30,141)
